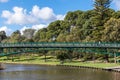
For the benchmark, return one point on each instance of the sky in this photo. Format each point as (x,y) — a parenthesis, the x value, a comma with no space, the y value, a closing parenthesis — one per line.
(37,14)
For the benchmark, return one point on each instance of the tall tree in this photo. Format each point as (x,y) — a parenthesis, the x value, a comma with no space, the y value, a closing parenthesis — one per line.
(101,8)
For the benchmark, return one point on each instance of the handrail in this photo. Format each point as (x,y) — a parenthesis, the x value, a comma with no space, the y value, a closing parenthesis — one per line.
(60,45)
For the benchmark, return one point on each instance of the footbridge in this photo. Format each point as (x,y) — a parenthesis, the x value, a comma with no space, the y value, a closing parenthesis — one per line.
(61,45)
(16,48)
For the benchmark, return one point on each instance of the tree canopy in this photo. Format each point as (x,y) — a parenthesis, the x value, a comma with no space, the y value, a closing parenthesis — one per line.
(101,24)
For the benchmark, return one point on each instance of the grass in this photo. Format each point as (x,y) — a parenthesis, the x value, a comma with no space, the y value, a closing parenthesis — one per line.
(91,64)
(53,61)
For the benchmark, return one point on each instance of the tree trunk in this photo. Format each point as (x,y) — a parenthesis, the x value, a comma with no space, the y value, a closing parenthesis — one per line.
(107,57)
(115,60)
(45,57)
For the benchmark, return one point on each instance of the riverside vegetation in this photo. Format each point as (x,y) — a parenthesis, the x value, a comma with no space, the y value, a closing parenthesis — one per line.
(101,24)
(51,60)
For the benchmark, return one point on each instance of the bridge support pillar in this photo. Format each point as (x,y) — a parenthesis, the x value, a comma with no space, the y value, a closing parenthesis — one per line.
(115,59)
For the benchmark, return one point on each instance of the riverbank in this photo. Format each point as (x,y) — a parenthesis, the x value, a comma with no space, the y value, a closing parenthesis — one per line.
(72,63)
(54,62)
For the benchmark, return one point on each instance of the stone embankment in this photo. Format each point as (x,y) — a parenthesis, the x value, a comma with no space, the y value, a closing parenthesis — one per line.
(115,69)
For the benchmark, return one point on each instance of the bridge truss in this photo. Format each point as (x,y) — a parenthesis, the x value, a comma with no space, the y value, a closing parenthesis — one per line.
(7,49)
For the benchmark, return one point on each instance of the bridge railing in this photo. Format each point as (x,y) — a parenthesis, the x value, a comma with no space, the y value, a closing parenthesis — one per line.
(60,44)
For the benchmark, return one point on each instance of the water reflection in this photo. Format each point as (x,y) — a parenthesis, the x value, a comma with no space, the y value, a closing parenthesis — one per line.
(37,72)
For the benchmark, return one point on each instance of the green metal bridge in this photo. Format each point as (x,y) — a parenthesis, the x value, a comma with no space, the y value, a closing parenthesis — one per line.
(5,48)
(61,45)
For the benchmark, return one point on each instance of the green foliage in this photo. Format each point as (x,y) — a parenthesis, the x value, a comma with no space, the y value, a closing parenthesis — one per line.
(101,6)
(2,35)
(101,24)
(102,9)
(72,17)
(61,38)
(116,15)
(62,55)
(40,35)
(16,37)
(111,32)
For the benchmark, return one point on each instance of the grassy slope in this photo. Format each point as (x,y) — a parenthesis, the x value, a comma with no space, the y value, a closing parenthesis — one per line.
(52,61)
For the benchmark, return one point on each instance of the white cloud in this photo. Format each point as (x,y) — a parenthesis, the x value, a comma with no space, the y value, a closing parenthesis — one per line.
(36,27)
(6,14)
(18,16)
(37,15)
(40,26)
(6,29)
(60,17)
(117,4)
(22,29)
(37,18)
(3,1)
(45,13)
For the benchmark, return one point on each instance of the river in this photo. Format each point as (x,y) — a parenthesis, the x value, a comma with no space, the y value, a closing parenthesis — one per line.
(38,72)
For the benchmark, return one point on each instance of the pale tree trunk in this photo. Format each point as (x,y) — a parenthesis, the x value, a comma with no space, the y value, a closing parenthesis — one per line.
(115,59)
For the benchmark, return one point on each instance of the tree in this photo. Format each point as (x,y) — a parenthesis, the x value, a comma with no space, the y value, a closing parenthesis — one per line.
(40,35)
(2,35)
(65,27)
(111,32)
(16,37)
(62,55)
(82,18)
(101,8)
(116,15)
(54,29)
(72,17)
(61,38)
(28,33)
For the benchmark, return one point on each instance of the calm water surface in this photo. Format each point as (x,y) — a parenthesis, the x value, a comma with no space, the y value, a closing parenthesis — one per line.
(37,72)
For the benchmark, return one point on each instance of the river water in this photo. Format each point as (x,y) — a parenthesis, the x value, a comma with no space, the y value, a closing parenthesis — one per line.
(38,72)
